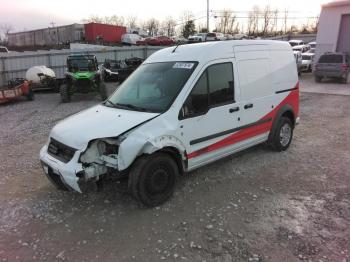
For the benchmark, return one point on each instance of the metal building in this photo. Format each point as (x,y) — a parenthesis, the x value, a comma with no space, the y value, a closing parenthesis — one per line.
(48,36)
(334,28)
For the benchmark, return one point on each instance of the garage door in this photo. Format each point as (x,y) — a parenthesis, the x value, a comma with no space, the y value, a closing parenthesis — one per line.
(344,34)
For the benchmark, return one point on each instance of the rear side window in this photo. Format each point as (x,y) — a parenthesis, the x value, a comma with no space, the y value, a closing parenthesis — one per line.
(215,87)
(335,59)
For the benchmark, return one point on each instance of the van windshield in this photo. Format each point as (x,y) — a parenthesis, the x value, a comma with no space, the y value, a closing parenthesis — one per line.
(152,87)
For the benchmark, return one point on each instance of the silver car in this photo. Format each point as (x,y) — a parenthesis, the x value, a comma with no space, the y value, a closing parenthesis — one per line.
(333,65)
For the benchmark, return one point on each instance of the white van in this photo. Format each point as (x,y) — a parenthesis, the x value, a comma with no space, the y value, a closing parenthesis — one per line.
(183,108)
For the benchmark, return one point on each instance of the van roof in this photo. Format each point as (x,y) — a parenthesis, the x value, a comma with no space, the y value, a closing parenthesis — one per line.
(204,52)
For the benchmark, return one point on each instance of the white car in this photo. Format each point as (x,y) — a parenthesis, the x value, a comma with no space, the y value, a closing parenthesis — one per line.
(179,39)
(295,42)
(131,39)
(215,37)
(178,111)
(301,48)
(240,36)
(4,49)
(313,45)
(298,61)
(200,37)
(307,62)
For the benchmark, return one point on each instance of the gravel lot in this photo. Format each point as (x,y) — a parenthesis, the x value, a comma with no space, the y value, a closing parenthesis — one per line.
(255,206)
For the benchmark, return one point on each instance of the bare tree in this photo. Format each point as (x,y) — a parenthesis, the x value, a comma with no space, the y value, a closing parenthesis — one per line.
(93,19)
(6,29)
(110,20)
(253,20)
(285,20)
(274,22)
(226,22)
(152,26)
(315,24)
(115,20)
(131,21)
(267,16)
(169,26)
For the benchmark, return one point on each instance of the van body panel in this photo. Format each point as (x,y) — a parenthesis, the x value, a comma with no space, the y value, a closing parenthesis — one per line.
(265,83)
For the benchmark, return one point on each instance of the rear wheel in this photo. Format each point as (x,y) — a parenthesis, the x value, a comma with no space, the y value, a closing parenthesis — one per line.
(103,91)
(152,179)
(283,134)
(345,80)
(64,91)
(30,95)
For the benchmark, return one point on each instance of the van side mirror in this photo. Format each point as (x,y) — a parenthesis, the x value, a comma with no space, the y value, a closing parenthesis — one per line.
(184,112)
(40,74)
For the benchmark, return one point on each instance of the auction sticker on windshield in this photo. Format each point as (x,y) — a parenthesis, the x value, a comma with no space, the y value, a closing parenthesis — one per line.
(184,65)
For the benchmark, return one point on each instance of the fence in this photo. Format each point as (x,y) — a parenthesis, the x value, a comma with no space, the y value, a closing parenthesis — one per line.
(305,37)
(15,65)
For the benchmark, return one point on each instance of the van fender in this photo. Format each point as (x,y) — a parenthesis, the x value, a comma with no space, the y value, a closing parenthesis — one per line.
(284,109)
(129,151)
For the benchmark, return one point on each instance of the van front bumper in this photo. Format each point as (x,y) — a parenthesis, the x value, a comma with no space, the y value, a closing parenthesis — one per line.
(62,175)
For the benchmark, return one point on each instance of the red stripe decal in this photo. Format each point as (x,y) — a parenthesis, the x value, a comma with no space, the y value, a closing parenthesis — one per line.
(292,99)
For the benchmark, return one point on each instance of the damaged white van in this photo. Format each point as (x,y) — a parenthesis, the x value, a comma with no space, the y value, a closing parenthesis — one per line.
(183,108)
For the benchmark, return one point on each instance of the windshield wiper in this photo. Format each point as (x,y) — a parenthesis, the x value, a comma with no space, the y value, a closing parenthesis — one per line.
(133,107)
(109,101)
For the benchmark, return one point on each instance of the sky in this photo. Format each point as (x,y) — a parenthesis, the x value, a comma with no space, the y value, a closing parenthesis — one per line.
(33,14)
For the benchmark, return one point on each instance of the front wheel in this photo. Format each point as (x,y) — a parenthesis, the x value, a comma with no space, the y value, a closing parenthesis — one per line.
(103,91)
(65,95)
(152,179)
(30,95)
(283,134)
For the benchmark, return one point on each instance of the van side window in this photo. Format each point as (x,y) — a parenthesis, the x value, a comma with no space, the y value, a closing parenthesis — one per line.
(221,87)
(197,101)
(215,87)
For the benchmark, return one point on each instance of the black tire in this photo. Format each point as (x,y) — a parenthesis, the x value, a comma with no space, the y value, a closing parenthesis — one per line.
(30,95)
(152,179)
(279,142)
(318,79)
(64,91)
(345,79)
(55,86)
(103,91)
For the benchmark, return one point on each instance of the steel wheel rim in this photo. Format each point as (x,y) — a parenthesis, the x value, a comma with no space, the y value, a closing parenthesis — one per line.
(285,134)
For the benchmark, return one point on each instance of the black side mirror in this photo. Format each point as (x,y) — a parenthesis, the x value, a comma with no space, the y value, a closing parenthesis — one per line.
(40,74)
(184,112)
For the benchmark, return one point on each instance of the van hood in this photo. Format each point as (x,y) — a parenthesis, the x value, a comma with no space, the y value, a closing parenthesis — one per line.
(97,122)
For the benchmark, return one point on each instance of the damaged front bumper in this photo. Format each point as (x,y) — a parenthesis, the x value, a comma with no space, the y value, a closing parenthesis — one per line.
(63,175)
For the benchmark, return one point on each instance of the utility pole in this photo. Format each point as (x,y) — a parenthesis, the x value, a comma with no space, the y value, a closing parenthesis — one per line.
(208,16)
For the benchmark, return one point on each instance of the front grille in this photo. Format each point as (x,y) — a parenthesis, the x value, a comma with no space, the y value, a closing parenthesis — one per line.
(83,85)
(60,151)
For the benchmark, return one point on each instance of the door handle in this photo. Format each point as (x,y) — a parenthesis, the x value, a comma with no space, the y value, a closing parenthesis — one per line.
(234,109)
(247,106)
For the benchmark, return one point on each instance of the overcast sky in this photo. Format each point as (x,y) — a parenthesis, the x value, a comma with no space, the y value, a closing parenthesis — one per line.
(32,14)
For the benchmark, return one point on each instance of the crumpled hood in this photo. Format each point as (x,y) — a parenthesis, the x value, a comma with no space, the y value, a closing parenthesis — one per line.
(97,122)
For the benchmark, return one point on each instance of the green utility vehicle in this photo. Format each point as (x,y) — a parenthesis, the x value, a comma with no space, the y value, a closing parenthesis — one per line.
(82,76)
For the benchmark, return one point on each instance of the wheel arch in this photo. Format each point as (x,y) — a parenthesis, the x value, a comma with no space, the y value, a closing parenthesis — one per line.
(284,111)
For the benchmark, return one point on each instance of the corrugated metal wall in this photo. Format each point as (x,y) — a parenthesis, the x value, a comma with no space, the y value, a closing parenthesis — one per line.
(15,65)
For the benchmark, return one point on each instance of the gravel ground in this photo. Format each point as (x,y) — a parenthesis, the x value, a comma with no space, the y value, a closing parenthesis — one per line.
(327,86)
(255,206)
